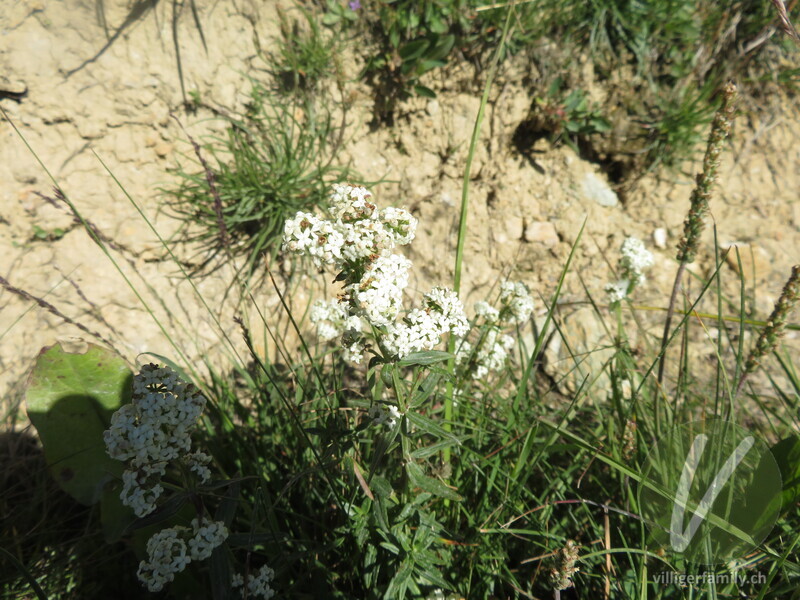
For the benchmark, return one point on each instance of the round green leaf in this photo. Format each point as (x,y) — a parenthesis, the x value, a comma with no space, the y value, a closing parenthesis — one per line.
(70,399)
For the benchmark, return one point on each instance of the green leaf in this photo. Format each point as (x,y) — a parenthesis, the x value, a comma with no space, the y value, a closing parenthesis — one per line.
(426,388)
(429,484)
(787,455)
(220,574)
(427,451)
(428,426)
(427,65)
(227,508)
(442,48)
(428,357)
(423,91)
(381,486)
(413,50)
(70,399)
(251,540)
(331,19)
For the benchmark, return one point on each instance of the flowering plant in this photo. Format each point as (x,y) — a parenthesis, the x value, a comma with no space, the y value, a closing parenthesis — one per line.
(358,242)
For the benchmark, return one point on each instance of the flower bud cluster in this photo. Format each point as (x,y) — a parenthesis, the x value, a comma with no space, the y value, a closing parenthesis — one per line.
(562,573)
(152,431)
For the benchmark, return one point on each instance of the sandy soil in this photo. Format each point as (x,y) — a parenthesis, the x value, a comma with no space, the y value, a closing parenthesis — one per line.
(94,95)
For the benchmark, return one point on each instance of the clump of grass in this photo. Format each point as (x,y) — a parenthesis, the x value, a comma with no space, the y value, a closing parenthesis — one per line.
(277,158)
(304,56)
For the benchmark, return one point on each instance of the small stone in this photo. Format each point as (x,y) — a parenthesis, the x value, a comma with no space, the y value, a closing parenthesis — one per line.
(660,238)
(598,190)
(510,231)
(162,149)
(542,232)
(432,108)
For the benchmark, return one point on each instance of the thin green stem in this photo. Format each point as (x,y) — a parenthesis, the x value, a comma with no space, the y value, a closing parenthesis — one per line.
(462,222)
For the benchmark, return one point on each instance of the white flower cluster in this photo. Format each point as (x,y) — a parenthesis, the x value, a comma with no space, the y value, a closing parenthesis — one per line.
(634,259)
(490,355)
(153,430)
(381,415)
(357,232)
(359,242)
(491,350)
(329,317)
(422,328)
(258,585)
(171,549)
(379,293)
(207,536)
(515,301)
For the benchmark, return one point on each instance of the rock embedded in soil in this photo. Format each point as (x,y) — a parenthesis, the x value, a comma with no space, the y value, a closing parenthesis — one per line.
(542,233)
(598,190)
(660,238)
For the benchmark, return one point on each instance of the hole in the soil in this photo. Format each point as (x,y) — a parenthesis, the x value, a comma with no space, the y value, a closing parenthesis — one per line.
(617,170)
(529,132)
(524,139)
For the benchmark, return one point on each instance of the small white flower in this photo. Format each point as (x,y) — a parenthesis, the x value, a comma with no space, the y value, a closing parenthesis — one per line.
(444,303)
(617,291)
(354,352)
(387,415)
(152,430)
(166,556)
(197,463)
(487,311)
(400,223)
(516,301)
(420,331)
(329,318)
(258,585)
(379,294)
(491,354)
(207,536)
(634,259)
